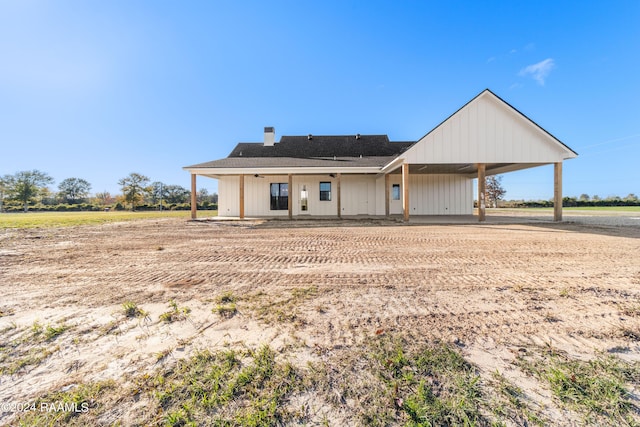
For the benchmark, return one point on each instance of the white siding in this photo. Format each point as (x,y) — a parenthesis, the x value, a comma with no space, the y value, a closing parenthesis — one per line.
(395,206)
(361,195)
(358,194)
(380,195)
(257,195)
(438,195)
(487,131)
(228,196)
(316,206)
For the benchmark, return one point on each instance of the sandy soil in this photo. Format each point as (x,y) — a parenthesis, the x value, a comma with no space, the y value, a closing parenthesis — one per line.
(489,289)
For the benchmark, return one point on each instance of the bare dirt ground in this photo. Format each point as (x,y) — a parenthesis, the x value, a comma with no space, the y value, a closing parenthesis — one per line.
(311,292)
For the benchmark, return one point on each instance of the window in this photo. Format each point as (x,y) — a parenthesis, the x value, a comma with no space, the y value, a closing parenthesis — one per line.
(325,191)
(279,196)
(395,192)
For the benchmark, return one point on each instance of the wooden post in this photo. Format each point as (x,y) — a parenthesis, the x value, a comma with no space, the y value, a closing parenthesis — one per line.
(405,191)
(386,194)
(194,200)
(482,185)
(241,196)
(339,196)
(290,198)
(557,191)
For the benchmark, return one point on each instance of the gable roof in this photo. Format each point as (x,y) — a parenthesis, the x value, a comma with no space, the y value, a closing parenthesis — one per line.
(487,129)
(323,146)
(484,130)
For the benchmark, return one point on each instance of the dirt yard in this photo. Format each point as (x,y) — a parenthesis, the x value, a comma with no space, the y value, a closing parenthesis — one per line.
(499,295)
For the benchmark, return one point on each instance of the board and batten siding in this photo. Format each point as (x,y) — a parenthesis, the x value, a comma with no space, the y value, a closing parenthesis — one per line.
(361,195)
(486,131)
(316,207)
(228,196)
(257,195)
(439,195)
(358,194)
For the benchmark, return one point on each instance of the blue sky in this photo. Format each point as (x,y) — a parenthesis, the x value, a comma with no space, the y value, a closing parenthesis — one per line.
(97,90)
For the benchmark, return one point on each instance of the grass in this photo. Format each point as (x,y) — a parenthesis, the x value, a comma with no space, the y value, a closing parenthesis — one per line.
(396,382)
(131,310)
(227,310)
(629,209)
(69,219)
(226,305)
(280,309)
(387,380)
(175,313)
(69,407)
(227,388)
(599,389)
(511,403)
(28,346)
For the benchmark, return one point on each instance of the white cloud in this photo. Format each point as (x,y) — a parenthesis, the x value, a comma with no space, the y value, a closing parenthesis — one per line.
(539,71)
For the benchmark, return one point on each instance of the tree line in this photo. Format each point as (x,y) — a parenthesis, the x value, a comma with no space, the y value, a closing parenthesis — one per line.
(495,192)
(29,190)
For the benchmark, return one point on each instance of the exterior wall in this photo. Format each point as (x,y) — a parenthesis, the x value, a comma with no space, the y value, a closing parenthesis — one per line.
(257,195)
(316,206)
(487,131)
(440,195)
(358,194)
(228,196)
(361,195)
(395,206)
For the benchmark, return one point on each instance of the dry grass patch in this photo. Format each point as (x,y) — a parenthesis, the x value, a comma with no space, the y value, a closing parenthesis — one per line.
(28,347)
(283,308)
(599,389)
(392,381)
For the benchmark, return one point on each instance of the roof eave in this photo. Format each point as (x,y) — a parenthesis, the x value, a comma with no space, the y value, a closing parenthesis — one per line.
(283,170)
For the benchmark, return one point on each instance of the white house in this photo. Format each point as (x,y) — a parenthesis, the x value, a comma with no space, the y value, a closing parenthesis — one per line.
(336,176)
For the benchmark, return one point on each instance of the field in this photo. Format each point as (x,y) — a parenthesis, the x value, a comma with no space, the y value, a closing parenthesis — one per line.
(164,321)
(69,219)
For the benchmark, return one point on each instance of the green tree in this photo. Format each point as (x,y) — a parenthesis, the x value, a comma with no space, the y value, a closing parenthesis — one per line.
(103,198)
(6,182)
(494,190)
(202,195)
(177,194)
(158,192)
(74,190)
(26,186)
(134,188)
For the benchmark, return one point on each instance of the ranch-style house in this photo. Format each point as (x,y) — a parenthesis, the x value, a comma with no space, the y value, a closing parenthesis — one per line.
(356,175)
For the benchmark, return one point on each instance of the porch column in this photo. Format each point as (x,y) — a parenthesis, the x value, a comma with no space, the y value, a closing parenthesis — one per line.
(405,191)
(241,196)
(557,191)
(290,198)
(194,200)
(481,192)
(386,194)
(338,175)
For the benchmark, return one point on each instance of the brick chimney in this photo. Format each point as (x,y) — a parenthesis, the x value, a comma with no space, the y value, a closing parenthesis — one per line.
(269,136)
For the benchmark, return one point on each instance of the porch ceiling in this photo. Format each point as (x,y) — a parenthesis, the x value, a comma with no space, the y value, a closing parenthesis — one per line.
(470,169)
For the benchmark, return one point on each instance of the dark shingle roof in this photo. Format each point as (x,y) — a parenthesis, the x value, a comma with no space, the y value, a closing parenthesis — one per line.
(323,146)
